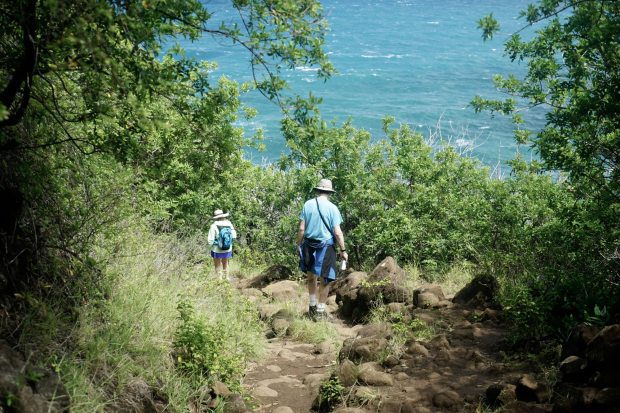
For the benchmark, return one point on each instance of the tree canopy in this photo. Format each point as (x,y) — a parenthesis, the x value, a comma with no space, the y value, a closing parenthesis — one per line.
(573,61)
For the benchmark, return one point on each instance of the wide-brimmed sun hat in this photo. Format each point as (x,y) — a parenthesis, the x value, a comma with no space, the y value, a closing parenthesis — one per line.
(325,185)
(220,214)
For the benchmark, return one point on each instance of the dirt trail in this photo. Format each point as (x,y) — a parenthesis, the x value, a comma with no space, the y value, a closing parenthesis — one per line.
(291,372)
(454,370)
(448,373)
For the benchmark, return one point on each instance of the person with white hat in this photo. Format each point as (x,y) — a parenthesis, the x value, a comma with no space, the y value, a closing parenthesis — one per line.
(319,232)
(220,238)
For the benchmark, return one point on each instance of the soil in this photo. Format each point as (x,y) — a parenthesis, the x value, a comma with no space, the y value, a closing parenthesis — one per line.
(453,371)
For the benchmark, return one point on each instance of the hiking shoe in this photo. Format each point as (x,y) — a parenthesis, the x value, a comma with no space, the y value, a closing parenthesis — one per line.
(323,316)
(312,312)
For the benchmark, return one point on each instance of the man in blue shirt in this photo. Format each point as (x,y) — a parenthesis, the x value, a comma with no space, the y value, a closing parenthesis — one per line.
(319,231)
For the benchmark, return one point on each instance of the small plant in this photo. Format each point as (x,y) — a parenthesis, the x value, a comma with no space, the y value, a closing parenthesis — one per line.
(330,394)
(599,317)
(202,350)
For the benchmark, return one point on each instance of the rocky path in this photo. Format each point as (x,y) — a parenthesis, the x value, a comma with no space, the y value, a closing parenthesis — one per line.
(427,354)
(288,378)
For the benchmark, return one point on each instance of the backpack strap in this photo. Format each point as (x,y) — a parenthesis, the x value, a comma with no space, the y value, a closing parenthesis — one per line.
(323,219)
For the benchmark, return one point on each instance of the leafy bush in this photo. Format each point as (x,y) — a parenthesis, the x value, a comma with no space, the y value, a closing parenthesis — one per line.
(203,350)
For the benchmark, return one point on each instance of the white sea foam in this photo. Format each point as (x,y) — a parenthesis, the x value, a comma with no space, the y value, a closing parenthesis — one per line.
(463,142)
(306,69)
(387,56)
(434,23)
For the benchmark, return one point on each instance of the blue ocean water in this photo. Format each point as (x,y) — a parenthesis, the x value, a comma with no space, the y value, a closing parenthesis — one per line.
(421,61)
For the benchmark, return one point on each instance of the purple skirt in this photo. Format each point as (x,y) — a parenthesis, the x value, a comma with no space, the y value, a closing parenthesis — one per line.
(227,254)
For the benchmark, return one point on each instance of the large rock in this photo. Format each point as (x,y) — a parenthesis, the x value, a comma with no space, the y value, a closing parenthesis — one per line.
(387,281)
(45,394)
(347,373)
(234,403)
(573,369)
(529,390)
(430,296)
(346,290)
(282,290)
(479,292)
(358,294)
(603,356)
(362,349)
(372,376)
(578,340)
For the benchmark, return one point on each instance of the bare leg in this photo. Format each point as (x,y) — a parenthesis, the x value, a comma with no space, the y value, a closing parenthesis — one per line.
(323,292)
(311,283)
(225,267)
(217,262)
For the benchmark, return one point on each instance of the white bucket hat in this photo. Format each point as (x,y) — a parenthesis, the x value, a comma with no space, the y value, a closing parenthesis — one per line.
(220,214)
(325,185)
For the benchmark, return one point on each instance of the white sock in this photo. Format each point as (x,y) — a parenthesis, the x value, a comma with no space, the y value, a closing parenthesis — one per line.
(320,307)
(312,299)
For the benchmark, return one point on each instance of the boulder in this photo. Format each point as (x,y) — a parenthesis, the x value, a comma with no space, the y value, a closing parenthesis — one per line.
(529,390)
(383,330)
(267,311)
(571,398)
(45,394)
(603,356)
(362,349)
(282,290)
(578,340)
(220,389)
(499,394)
(234,403)
(315,379)
(608,397)
(387,281)
(573,369)
(417,349)
(347,373)
(280,326)
(346,292)
(358,293)
(252,294)
(479,292)
(431,292)
(397,308)
(371,376)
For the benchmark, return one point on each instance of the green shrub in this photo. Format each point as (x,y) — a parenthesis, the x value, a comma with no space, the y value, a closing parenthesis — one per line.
(203,350)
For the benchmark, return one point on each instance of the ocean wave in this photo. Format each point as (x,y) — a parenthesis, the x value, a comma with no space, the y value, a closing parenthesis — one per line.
(434,23)
(484,127)
(460,142)
(308,79)
(387,56)
(306,69)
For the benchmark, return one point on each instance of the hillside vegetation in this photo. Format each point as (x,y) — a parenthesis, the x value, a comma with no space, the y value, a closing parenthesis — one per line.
(114,152)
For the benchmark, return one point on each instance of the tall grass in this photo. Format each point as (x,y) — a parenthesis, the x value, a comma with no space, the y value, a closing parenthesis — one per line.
(129,331)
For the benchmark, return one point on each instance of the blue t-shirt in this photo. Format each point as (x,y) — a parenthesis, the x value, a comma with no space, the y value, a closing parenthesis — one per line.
(315,228)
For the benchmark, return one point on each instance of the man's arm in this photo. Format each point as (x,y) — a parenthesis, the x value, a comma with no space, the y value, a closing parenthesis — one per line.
(300,231)
(340,239)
